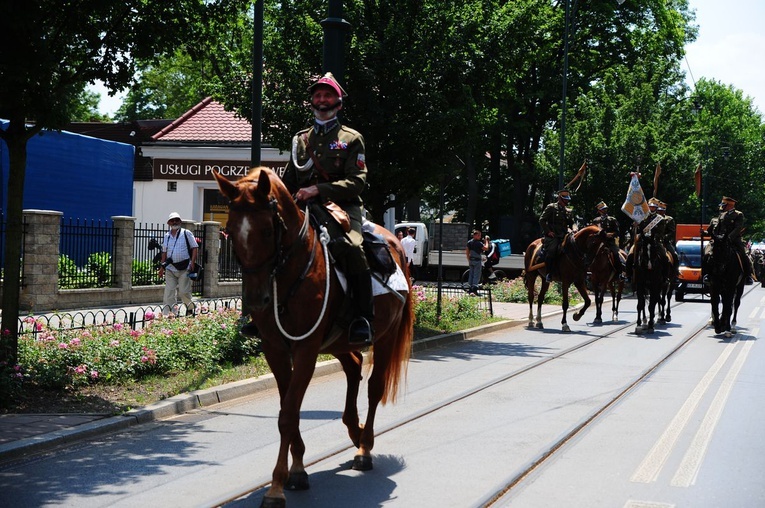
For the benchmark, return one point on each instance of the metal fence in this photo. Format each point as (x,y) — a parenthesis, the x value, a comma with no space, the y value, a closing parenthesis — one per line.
(456,290)
(86,254)
(133,317)
(228,264)
(147,252)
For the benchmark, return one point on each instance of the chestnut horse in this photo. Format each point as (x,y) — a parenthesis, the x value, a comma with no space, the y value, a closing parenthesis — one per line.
(572,269)
(295,298)
(604,276)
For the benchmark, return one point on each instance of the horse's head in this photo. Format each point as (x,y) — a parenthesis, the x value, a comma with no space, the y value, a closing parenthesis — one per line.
(261,223)
(588,240)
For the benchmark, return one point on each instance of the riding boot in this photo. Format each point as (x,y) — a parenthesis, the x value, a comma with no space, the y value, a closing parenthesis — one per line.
(360,330)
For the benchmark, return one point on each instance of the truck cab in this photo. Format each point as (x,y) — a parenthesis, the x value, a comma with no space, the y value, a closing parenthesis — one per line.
(689,248)
(422,247)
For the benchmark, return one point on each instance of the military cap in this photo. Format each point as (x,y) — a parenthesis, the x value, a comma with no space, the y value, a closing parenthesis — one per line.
(653,202)
(661,205)
(564,194)
(602,206)
(726,199)
(328,80)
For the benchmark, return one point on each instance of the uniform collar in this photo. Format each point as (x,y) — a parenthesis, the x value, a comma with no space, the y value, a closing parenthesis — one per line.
(320,127)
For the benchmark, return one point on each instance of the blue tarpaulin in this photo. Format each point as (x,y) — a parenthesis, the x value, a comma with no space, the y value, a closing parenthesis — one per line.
(80,176)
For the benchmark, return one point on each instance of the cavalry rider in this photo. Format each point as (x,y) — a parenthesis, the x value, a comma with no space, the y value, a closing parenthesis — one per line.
(328,164)
(670,235)
(556,221)
(729,223)
(652,226)
(610,225)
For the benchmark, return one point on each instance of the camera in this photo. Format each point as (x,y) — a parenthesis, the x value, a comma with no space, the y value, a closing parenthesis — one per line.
(193,275)
(167,262)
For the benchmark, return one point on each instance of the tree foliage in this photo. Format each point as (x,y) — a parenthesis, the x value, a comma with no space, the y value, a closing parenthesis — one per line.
(51,50)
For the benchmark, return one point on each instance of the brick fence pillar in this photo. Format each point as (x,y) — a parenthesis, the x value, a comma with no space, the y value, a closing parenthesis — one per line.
(40,264)
(124,228)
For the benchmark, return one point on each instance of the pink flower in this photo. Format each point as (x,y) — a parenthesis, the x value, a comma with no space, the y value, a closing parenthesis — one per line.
(38,326)
(63,345)
(118,326)
(80,369)
(114,343)
(93,374)
(149,315)
(74,342)
(134,333)
(144,359)
(86,334)
(223,326)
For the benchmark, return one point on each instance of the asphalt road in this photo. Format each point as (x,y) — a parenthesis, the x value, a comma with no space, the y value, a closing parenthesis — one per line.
(600,416)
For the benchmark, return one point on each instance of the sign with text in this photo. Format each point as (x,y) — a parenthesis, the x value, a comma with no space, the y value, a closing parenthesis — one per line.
(186,169)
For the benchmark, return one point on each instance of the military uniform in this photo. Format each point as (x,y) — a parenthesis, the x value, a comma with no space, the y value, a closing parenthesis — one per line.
(557,219)
(670,235)
(329,158)
(648,227)
(730,224)
(610,225)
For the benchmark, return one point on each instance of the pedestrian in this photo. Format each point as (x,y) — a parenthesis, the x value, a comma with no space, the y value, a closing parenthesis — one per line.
(179,257)
(474,253)
(556,222)
(328,164)
(409,243)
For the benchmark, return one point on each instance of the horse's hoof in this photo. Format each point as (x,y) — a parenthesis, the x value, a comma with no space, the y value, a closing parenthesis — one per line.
(565,328)
(273,502)
(638,330)
(362,463)
(661,322)
(577,317)
(649,330)
(728,335)
(297,481)
(597,321)
(540,326)
(718,329)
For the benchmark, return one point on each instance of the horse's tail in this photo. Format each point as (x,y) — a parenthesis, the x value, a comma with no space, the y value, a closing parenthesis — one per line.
(401,350)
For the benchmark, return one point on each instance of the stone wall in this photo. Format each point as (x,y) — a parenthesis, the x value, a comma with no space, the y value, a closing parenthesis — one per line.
(456,235)
(40,292)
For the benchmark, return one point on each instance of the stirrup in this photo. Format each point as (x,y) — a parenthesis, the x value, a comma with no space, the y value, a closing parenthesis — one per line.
(360,331)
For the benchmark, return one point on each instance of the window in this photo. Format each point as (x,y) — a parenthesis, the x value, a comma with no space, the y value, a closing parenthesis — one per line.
(172,186)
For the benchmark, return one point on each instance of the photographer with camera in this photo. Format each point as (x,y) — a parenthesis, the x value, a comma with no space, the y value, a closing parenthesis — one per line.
(178,263)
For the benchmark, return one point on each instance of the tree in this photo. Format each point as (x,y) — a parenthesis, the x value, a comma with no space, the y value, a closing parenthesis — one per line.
(58,48)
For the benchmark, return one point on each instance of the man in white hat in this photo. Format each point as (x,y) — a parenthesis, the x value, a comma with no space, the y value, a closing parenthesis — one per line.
(179,257)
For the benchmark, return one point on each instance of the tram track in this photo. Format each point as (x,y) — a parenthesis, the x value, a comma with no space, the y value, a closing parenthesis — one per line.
(535,463)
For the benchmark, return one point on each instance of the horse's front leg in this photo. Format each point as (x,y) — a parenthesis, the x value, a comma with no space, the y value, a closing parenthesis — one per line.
(581,286)
(540,299)
(600,294)
(714,298)
(530,281)
(564,294)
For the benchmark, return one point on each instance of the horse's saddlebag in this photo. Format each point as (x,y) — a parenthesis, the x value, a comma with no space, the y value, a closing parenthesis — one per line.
(378,254)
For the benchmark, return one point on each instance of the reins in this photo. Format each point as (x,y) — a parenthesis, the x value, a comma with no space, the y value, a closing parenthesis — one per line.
(324,239)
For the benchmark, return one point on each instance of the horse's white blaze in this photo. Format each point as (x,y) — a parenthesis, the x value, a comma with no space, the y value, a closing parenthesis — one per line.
(244,230)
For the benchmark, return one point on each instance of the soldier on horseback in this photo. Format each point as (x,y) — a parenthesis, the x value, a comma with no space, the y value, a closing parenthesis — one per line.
(556,222)
(730,224)
(610,225)
(652,226)
(670,235)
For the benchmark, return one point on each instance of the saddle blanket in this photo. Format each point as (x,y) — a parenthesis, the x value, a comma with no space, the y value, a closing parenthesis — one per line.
(396,282)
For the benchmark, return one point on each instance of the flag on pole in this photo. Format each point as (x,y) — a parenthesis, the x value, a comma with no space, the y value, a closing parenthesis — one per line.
(656,179)
(635,205)
(697,179)
(578,176)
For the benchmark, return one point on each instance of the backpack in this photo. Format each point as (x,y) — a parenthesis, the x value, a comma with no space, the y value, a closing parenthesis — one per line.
(493,256)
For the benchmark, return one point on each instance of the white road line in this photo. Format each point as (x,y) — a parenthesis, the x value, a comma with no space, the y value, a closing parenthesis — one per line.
(648,470)
(762,314)
(689,467)
(755,311)
(647,504)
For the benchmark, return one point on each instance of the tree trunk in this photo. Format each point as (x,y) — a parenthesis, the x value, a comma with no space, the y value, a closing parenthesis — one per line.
(472,188)
(16,138)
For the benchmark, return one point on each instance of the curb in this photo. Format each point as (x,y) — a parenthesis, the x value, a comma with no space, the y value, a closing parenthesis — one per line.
(198,399)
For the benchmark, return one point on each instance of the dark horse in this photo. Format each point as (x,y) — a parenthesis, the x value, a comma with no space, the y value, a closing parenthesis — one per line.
(727,279)
(650,274)
(604,276)
(571,267)
(295,298)
(667,288)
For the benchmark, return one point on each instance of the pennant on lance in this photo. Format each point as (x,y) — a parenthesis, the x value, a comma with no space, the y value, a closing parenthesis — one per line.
(635,205)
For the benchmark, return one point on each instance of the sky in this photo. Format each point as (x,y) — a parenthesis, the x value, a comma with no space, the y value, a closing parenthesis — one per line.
(728,48)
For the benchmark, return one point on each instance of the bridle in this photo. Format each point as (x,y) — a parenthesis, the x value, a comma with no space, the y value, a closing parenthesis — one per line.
(281,255)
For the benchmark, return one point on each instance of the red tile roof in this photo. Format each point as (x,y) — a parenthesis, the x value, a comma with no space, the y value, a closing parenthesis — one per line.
(207,122)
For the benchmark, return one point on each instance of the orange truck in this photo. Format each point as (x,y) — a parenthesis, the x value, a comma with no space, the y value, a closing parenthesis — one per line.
(689,250)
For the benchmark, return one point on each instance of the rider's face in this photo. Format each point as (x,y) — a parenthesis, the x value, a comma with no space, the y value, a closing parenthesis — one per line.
(325,103)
